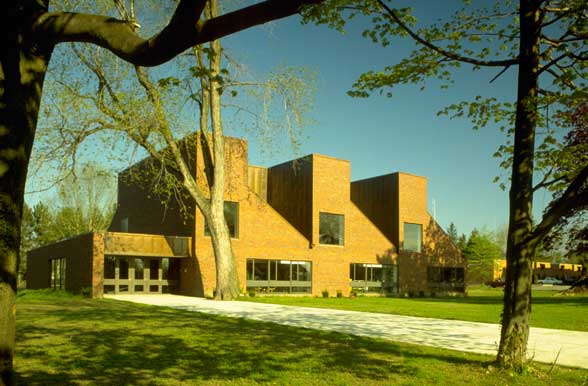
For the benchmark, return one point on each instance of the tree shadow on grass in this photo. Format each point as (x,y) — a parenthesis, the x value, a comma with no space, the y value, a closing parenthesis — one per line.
(90,342)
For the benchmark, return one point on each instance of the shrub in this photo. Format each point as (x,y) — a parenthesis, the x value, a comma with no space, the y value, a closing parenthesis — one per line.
(86,292)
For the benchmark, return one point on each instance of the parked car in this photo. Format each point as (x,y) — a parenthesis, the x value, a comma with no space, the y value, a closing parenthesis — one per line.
(549,280)
(497,283)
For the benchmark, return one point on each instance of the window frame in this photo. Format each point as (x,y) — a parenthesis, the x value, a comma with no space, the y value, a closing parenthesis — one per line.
(420,238)
(272,283)
(341,239)
(57,273)
(367,283)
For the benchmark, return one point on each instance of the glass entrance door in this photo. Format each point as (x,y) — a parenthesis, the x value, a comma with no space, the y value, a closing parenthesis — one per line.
(140,274)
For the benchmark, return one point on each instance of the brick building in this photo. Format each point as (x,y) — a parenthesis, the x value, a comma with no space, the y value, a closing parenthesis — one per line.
(297,227)
(566,272)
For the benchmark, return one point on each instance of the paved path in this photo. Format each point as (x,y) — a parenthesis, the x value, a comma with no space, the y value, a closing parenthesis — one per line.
(569,348)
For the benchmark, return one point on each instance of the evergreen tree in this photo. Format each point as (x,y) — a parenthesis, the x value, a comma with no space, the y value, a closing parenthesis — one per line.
(480,253)
(461,242)
(452,233)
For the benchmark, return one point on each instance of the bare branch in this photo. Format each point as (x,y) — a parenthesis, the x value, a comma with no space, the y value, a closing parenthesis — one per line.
(500,73)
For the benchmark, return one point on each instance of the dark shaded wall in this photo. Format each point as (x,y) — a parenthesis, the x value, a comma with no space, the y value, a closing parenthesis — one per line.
(377,198)
(151,205)
(289,192)
(84,256)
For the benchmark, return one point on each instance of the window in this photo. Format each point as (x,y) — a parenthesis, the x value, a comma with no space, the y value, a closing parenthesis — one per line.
(331,228)
(153,269)
(124,224)
(109,267)
(373,277)
(285,276)
(58,268)
(447,278)
(231,210)
(139,266)
(413,237)
(123,268)
(140,274)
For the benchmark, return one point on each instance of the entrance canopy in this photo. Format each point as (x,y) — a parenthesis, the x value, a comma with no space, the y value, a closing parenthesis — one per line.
(138,244)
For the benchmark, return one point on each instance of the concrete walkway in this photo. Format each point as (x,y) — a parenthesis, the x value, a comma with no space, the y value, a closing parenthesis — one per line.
(569,348)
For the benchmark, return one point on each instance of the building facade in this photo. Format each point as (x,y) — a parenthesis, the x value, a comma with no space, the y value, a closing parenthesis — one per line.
(566,272)
(301,227)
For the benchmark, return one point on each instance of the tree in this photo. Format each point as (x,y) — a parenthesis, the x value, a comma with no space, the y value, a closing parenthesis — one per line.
(26,241)
(149,120)
(480,253)
(30,33)
(85,202)
(461,243)
(452,233)
(570,234)
(543,39)
(43,229)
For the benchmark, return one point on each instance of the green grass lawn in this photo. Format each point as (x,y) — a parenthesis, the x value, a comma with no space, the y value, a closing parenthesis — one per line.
(481,305)
(68,340)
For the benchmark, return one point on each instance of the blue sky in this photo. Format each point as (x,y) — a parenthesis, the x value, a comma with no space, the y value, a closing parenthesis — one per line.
(380,135)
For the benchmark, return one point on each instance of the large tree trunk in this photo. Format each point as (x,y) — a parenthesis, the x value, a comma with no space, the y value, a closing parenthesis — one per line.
(227,283)
(22,70)
(521,248)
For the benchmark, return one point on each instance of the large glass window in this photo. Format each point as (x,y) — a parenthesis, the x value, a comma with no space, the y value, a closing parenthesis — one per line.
(231,210)
(302,271)
(413,237)
(331,228)
(284,270)
(373,277)
(279,276)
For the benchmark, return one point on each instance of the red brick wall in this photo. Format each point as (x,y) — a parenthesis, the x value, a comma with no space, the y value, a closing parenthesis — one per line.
(265,234)
(286,226)
(437,249)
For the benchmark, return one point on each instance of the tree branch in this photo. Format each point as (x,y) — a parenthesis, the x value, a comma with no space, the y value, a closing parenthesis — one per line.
(439,50)
(575,195)
(165,131)
(545,183)
(183,31)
